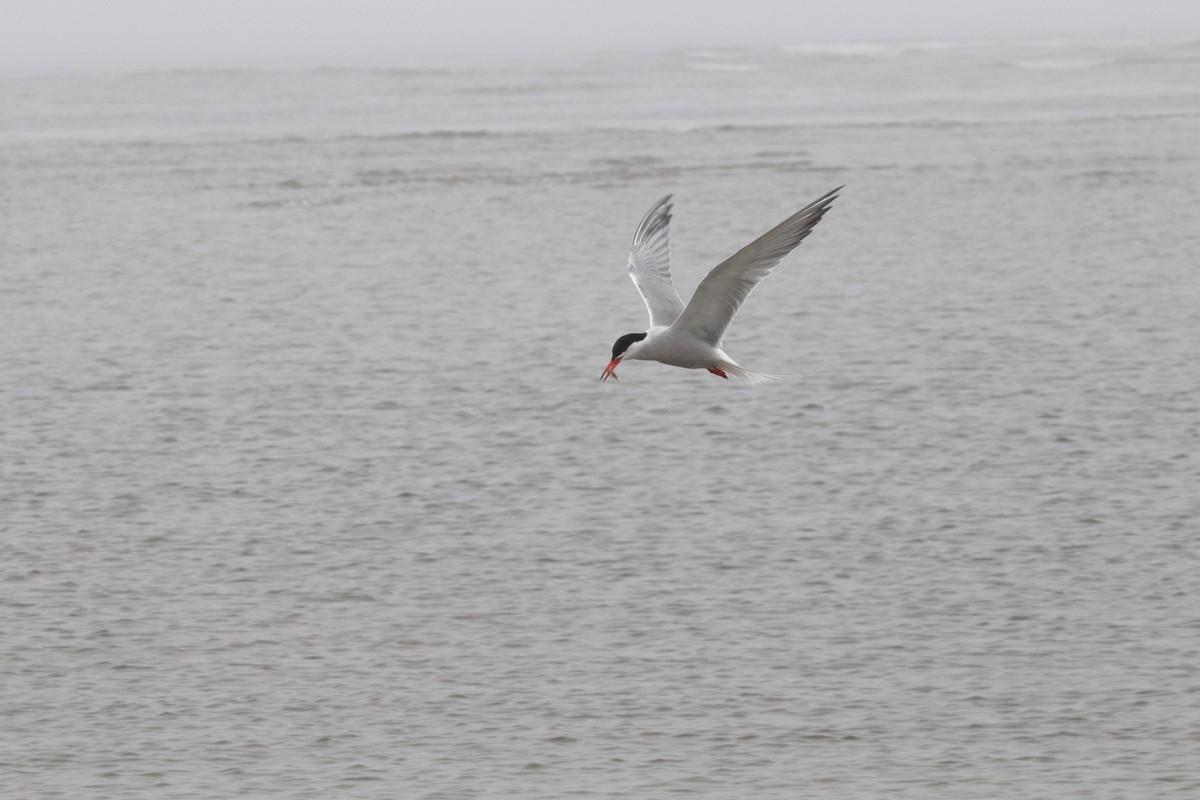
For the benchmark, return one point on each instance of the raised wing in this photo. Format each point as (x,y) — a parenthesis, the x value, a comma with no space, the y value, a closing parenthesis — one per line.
(650,265)
(722,292)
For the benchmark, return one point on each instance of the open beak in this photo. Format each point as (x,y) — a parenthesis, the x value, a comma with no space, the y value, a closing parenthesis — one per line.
(611,370)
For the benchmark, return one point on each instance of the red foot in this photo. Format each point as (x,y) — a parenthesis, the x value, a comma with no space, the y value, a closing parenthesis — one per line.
(716,371)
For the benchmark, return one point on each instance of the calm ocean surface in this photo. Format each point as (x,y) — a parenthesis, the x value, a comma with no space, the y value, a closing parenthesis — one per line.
(309,487)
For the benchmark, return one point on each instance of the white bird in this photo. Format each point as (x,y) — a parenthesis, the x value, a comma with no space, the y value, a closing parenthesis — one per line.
(690,337)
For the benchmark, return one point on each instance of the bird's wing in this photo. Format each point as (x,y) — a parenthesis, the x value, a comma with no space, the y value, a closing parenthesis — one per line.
(722,292)
(650,265)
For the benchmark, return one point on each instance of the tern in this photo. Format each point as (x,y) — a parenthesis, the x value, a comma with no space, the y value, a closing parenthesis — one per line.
(690,337)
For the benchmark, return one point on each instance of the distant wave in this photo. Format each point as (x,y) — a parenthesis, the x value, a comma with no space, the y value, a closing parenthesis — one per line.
(1179,49)
(549,87)
(872,49)
(1062,63)
(723,66)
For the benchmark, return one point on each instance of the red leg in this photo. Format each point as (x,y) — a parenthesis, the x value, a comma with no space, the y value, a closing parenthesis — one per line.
(716,371)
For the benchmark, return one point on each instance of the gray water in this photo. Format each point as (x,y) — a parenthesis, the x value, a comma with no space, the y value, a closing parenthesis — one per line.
(309,487)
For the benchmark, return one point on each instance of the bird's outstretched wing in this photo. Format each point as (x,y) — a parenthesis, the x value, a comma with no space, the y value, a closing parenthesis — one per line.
(650,265)
(722,292)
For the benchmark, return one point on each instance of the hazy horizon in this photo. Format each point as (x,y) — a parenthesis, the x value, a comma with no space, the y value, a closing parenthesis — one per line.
(73,36)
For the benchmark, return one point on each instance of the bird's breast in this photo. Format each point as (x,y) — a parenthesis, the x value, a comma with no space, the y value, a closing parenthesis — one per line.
(669,347)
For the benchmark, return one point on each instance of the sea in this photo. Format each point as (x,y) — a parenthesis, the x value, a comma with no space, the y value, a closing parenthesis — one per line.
(309,486)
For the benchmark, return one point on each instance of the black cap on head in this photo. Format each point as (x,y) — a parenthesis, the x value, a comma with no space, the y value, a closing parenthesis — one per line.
(623,343)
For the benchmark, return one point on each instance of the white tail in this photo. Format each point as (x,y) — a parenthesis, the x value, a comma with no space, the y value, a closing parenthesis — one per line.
(746,376)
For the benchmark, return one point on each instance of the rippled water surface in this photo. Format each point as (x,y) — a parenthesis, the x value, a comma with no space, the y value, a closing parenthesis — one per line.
(309,486)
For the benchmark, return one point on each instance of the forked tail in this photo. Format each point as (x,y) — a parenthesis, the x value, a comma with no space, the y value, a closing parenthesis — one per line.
(746,376)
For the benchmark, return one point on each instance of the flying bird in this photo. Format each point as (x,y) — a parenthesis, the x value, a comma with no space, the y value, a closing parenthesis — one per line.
(690,336)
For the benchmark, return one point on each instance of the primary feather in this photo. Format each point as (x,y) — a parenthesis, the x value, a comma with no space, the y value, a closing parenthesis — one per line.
(650,265)
(722,292)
